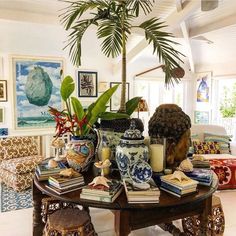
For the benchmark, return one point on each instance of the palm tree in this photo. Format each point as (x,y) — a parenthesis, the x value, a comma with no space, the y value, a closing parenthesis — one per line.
(114,19)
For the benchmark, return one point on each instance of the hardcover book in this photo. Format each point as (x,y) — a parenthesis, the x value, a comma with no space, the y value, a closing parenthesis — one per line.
(131,190)
(178,190)
(101,198)
(200,174)
(63,191)
(114,186)
(184,184)
(176,194)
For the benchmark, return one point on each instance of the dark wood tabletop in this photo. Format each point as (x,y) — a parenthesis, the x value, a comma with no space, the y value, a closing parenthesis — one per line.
(136,215)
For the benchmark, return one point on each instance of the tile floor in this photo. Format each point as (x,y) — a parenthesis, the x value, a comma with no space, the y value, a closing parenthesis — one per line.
(19,223)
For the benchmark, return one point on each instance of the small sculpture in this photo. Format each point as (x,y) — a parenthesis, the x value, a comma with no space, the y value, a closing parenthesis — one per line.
(186,166)
(171,123)
(52,163)
(101,180)
(179,175)
(69,172)
(58,144)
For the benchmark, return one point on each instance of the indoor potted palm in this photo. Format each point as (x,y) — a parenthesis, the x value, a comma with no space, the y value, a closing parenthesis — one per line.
(79,122)
(114,20)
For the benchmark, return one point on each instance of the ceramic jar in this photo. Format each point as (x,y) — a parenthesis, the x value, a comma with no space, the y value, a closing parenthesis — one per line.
(132,156)
(80,153)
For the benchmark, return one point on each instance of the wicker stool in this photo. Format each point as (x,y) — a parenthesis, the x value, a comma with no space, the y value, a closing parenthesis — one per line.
(68,221)
(65,218)
(216,221)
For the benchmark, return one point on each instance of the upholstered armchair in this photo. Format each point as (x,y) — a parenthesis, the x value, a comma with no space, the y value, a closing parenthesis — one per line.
(18,159)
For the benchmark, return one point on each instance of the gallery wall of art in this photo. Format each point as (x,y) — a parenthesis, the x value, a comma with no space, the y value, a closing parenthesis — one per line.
(22,43)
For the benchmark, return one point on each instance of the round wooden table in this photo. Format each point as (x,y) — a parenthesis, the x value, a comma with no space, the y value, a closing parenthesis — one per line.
(130,217)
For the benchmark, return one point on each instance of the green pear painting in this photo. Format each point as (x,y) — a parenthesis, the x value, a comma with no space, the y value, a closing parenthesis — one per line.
(37,86)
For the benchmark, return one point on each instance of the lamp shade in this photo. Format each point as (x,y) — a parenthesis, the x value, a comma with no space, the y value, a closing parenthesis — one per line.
(142,106)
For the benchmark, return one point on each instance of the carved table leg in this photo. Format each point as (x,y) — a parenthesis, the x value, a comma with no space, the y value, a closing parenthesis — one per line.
(38,225)
(122,226)
(171,228)
(204,217)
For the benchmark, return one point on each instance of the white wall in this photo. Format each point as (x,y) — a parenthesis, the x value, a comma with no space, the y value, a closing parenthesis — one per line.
(33,39)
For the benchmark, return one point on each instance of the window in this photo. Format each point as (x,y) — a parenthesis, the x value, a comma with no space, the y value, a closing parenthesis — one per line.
(224,105)
(155,93)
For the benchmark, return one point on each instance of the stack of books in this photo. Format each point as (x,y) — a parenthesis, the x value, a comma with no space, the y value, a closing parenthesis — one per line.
(102,193)
(178,188)
(203,176)
(137,195)
(43,171)
(61,184)
(200,162)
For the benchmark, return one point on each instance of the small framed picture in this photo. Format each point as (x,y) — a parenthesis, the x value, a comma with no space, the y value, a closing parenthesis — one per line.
(115,99)
(3,90)
(1,115)
(201,117)
(87,84)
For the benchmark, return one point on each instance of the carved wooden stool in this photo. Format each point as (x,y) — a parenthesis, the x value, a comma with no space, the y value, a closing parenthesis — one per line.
(216,221)
(64,218)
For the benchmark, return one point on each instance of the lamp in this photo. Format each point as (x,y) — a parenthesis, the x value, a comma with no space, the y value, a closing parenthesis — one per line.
(142,106)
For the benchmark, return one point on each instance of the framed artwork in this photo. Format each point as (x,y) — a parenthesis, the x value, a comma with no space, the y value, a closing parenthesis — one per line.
(3,90)
(3,131)
(115,99)
(1,115)
(201,117)
(203,87)
(87,84)
(37,83)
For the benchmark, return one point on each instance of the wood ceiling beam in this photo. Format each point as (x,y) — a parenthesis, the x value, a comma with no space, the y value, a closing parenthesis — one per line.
(185,33)
(222,23)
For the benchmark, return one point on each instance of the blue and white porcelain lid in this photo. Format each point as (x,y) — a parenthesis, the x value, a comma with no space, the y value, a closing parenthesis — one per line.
(132,133)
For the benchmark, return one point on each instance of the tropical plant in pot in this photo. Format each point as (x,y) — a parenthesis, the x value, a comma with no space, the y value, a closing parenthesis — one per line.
(114,20)
(79,122)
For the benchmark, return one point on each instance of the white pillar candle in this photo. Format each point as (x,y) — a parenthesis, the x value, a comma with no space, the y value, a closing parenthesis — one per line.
(157,157)
(106,153)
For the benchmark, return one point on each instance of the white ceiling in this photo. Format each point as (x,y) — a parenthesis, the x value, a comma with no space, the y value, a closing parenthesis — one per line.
(185,18)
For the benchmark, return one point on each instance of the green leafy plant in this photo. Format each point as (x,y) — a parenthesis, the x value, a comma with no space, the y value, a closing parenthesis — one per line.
(77,120)
(114,21)
(228,103)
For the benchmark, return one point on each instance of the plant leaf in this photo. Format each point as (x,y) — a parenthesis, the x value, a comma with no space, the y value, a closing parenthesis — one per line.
(67,87)
(77,107)
(112,115)
(131,105)
(100,104)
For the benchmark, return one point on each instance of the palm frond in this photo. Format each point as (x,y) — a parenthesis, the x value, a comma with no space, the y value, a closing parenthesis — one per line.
(162,46)
(76,9)
(136,5)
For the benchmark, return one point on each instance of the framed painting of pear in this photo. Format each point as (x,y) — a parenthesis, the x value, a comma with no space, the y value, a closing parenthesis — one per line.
(36,86)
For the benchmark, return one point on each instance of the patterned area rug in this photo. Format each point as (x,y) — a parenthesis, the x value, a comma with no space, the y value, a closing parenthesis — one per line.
(11,200)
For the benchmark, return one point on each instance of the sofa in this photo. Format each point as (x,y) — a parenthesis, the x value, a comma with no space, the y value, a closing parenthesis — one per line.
(18,159)
(223,164)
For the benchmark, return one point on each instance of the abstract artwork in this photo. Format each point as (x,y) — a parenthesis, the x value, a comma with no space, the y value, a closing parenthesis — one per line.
(3,131)
(115,99)
(37,85)
(87,84)
(203,87)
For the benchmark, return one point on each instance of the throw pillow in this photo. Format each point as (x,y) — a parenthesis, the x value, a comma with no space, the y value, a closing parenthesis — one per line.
(194,137)
(222,140)
(206,147)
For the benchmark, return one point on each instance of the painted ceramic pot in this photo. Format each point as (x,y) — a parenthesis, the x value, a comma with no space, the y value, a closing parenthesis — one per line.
(80,153)
(132,156)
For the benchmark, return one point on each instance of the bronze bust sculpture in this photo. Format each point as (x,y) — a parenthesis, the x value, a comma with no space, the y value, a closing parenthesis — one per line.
(170,122)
